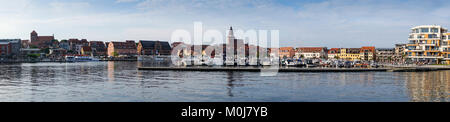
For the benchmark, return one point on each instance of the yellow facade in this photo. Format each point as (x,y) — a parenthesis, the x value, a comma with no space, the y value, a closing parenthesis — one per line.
(348,56)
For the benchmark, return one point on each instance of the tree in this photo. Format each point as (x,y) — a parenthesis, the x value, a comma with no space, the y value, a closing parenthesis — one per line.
(336,57)
(34,56)
(70,51)
(115,54)
(55,40)
(45,50)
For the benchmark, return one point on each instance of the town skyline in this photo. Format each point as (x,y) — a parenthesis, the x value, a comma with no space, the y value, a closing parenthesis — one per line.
(330,23)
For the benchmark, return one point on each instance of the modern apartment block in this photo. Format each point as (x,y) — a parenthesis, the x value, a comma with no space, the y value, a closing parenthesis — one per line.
(385,55)
(427,43)
(10,47)
(445,47)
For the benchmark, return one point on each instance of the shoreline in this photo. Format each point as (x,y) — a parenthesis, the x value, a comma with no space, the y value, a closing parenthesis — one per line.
(17,62)
(284,69)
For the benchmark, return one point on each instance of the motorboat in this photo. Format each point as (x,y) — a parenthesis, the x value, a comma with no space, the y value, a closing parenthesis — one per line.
(80,59)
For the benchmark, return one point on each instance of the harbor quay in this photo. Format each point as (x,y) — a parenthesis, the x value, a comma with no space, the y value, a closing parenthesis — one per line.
(287,69)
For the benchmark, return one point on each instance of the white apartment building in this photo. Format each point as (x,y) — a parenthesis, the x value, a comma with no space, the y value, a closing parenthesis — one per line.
(426,44)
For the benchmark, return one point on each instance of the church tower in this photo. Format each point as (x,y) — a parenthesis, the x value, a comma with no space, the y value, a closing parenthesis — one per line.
(231,36)
(34,36)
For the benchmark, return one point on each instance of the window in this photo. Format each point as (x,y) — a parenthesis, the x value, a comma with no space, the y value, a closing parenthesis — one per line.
(432,36)
(424,30)
(435,30)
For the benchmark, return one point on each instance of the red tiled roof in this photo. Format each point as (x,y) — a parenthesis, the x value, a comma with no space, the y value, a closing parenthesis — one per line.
(371,49)
(311,49)
(335,50)
(46,38)
(286,48)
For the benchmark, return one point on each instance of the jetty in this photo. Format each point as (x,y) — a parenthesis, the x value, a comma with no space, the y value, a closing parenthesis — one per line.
(290,69)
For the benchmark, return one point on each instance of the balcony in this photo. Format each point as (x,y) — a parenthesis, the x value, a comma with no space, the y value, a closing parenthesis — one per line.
(416,49)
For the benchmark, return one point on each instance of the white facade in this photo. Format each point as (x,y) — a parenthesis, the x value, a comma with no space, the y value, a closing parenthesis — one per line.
(426,42)
(332,56)
(310,55)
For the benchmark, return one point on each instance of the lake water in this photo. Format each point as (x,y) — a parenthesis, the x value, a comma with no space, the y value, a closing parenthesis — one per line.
(122,82)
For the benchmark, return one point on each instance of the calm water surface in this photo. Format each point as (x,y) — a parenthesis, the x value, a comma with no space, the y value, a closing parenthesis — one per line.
(121,81)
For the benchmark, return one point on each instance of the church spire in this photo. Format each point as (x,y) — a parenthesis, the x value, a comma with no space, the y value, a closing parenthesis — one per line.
(231,33)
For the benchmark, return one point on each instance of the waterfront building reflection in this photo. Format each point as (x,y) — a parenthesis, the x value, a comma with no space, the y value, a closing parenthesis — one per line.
(111,71)
(429,86)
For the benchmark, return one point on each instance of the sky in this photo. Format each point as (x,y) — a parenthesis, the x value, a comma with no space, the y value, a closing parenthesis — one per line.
(330,23)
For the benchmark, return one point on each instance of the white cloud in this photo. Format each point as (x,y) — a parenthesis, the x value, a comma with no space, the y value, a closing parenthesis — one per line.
(8,6)
(69,8)
(126,1)
(329,23)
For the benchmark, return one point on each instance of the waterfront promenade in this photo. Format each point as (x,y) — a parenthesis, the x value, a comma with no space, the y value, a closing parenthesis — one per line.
(286,69)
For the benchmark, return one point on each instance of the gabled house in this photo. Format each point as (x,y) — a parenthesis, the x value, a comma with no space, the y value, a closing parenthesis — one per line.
(122,49)
(153,48)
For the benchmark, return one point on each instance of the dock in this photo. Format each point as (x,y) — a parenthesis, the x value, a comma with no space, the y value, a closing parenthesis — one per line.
(255,69)
(418,69)
(284,69)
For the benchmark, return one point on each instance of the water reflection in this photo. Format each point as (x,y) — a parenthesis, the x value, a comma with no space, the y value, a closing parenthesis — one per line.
(111,71)
(429,86)
(121,81)
(232,78)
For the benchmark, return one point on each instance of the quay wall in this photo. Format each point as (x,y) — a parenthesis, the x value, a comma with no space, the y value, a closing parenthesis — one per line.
(253,69)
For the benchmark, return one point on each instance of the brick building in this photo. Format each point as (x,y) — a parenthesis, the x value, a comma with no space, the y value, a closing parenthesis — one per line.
(98,48)
(122,49)
(41,41)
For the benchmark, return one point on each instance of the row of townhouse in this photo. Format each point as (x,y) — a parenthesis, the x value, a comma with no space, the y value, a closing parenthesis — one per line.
(130,48)
(363,53)
(58,49)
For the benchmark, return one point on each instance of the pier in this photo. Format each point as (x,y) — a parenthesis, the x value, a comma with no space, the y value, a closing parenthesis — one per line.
(284,69)
(258,69)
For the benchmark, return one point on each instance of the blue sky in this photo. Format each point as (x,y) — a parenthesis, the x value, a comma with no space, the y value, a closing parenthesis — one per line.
(331,23)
